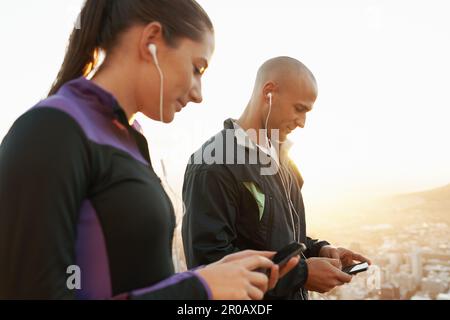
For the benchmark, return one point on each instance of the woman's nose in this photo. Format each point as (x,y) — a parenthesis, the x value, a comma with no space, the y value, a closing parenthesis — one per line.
(196,93)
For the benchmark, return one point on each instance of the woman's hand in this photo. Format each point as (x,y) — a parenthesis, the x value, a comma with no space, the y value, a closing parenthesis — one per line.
(236,275)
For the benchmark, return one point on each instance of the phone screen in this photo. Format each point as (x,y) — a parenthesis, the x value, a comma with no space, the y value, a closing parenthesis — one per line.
(357,268)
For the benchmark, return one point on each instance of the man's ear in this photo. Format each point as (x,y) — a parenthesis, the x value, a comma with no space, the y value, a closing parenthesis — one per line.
(151,34)
(269,87)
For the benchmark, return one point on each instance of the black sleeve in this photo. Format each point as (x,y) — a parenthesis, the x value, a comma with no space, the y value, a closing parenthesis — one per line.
(182,286)
(314,247)
(210,196)
(44,170)
(290,283)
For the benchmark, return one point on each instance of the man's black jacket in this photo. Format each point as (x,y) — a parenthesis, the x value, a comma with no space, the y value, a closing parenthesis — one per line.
(232,207)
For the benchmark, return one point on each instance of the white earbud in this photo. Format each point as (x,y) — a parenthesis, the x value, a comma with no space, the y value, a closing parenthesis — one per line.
(154,52)
(270,96)
(268,142)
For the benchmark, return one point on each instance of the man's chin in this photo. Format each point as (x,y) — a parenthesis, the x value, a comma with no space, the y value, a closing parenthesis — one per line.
(283,138)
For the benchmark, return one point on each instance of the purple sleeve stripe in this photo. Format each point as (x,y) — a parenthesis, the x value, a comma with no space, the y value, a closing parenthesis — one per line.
(179,277)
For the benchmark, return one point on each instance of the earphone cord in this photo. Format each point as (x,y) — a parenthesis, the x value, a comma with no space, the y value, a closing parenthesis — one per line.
(292,207)
(268,143)
(161,113)
(284,181)
(286,191)
(161,92)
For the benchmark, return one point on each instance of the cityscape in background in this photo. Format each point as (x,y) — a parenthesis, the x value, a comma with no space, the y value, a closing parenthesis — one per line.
(407,237)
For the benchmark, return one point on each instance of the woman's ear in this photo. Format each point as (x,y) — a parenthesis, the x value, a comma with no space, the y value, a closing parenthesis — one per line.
(152,33)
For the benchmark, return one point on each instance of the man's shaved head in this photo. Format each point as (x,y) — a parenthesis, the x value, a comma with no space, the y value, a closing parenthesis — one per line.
(293,93)
(283,71)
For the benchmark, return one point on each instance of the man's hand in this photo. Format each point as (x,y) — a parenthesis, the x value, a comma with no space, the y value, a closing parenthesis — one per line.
(345,256)
(324,274)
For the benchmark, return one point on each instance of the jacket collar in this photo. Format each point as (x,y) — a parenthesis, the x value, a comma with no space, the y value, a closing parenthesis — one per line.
(243,140)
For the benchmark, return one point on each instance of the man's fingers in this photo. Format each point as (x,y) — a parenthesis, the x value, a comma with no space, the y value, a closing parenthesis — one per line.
(347,261)
(361,258)
(343,277)
(335,255)
(335,262)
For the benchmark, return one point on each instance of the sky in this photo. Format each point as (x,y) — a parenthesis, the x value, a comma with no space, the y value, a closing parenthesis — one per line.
(380,125)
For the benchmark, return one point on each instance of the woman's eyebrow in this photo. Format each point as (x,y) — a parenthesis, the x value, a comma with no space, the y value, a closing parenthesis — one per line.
(303,106)
(205,62)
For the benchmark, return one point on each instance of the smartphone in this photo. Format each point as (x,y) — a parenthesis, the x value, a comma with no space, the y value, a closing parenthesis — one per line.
(287,253)
(357,268)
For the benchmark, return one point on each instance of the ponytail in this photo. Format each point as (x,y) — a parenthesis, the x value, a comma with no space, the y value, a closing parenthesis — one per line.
(82,51)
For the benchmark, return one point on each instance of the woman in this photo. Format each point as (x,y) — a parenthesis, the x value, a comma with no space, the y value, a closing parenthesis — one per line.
(77,187)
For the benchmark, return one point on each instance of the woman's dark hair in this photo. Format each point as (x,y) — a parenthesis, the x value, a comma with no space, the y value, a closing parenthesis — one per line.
(102,21)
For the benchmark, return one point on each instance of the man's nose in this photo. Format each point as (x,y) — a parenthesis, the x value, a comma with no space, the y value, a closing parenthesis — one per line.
(301,121)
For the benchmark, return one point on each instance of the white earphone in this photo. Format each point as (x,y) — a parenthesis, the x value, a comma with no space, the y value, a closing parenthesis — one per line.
(286,181)
(154,52)
(287,185)
(270,96)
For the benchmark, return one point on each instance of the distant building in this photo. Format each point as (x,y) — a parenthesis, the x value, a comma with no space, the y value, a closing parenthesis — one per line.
(417,266)
(405,282)
(390,292)
(395,260)
(433,286)
(353,293)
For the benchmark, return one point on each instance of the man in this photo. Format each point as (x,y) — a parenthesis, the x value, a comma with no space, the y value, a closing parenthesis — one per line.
(255,200)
